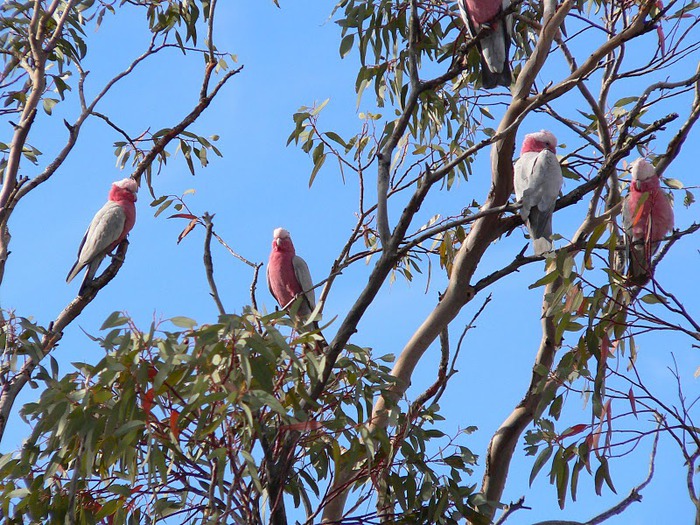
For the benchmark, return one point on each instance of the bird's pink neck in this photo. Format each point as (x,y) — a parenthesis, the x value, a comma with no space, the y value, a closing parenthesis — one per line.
(117,194)
(531,144)
(285,246)
(481,11)
(125,199)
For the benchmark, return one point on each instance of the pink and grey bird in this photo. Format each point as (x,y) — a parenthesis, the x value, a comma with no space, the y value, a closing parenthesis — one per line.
(647,216)
(494,46)
(108,228)
(538,180)
(288,275)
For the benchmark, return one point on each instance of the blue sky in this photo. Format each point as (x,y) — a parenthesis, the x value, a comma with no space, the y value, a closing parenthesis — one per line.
(291,59)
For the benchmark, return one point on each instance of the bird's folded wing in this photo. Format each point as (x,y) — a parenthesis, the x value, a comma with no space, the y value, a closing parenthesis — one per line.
(301,270)
(106,227)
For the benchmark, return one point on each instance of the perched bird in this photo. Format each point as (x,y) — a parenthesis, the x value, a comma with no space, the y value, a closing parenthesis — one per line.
(288,275)
(647,217)
(537,180)
(494,46)
(108,228)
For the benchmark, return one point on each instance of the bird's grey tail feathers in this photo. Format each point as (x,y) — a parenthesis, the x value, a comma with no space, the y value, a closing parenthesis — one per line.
(541,246)
(74,271)
(90,274)
(490,80)
(540,226)
(493,50)
(84,285)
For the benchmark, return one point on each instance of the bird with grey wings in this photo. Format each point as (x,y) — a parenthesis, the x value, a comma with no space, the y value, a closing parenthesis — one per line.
(479,15)
(537,180)
(110,226)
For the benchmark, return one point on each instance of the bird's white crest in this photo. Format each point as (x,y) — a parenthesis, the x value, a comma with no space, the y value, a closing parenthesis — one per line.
(544,136)
(642,170)
(280,233)
(128,184)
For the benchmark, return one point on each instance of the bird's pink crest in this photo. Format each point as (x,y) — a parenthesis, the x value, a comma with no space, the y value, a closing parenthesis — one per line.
(642,170)
(128,184)
(539,141)
(280,233)
(281,240)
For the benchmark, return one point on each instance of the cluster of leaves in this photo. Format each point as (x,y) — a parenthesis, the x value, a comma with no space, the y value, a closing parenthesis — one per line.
(598,313)
(176,24)
(398,57)
(428,484)
(177,424)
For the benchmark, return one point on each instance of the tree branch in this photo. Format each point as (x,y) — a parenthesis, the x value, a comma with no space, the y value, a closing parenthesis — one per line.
(53,335)
(208,263)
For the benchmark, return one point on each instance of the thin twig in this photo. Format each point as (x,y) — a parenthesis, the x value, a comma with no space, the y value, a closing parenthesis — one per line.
(209,264)
(230,250)
(469,326)
(510,509)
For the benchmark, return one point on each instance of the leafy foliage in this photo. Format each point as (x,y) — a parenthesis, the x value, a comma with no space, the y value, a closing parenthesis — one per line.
(179,423)
(232,421)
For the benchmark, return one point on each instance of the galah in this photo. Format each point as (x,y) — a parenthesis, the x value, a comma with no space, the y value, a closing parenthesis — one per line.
(647,216)
(108,228)
(537,180)
(494,46)
(288,275)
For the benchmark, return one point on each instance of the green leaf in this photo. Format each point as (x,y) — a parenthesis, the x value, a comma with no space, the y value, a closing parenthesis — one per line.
(542,458)
(549,278)
(108,509)
(688,199)
(562,482)
(593,239)
(163,207)
(49,103)
(599,478)
(115,319)
(128,427)
(336,138)
(606,475)
(318,108)
(574,478)
(555,407)
(346,44)
(183,322)
(484,110)
(317,166)
(652,298)
(262,374)
(157,201)
(674,183)
(624,101)
(573,326)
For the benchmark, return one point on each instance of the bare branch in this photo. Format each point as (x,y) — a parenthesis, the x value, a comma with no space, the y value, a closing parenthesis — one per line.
(634,495)
(237,256)
(510,509)
(208,263)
